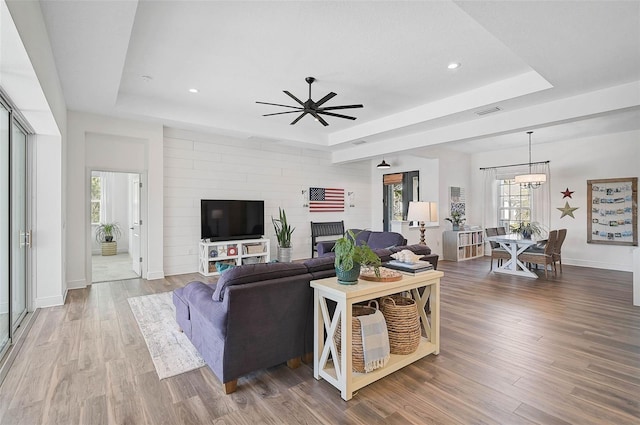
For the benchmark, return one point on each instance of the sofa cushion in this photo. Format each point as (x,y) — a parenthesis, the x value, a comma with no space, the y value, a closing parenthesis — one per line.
(249,273)
(361,236)
(385,239)
(326,262)
(416,249)
(384,254)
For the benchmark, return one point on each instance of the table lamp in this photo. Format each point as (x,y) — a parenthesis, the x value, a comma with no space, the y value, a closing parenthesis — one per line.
(421,212)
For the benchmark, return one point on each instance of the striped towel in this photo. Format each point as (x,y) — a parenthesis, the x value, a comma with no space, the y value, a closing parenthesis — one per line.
(375,341)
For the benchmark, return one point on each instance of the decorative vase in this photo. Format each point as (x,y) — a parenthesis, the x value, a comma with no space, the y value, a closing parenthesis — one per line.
(526,234)
(456,227)
(348,277)
(284,254)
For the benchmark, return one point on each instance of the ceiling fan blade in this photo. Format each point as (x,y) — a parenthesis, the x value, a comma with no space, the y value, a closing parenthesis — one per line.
(331,108)
(279,104)
(280,113)
(293,97)
(298,119)
(337,115)
(319,118)
(324,99)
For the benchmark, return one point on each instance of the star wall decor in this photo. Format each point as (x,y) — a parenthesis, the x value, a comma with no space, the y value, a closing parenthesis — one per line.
(567,210)
(567,193)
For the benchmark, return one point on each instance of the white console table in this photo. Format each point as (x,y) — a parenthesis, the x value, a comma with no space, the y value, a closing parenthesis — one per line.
(338,370)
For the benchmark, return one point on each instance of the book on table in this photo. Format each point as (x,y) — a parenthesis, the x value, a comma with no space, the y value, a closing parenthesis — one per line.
(417,267)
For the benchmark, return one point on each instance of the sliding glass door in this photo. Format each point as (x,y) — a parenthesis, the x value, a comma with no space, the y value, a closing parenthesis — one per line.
(4,228)
(15,238)
(20,235)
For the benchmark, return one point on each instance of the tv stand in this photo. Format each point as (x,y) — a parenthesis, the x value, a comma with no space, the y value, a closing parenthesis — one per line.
(238,252)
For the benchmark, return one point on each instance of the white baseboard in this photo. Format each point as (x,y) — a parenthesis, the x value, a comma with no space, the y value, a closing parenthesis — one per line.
(597,264)
(636,277)
(172,271)
(76,284)
(49,301)
(155,275)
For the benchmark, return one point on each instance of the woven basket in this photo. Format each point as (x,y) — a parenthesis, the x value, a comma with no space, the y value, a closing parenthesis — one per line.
(357,353)
(403,323)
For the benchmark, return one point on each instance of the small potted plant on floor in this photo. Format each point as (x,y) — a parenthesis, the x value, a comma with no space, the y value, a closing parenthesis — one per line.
(107,234)
(283,234)
(350,257)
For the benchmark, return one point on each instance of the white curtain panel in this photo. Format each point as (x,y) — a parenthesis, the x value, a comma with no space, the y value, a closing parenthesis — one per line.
(108,185)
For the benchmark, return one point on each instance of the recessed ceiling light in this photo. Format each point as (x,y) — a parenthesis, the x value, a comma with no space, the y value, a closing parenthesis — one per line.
(453,65)
(193,90)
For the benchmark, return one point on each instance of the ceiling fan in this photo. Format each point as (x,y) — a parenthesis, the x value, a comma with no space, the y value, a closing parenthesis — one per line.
(312,108)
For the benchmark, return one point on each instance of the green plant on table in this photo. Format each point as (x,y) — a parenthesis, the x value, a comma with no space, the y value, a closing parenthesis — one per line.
(528,229)
(348,254)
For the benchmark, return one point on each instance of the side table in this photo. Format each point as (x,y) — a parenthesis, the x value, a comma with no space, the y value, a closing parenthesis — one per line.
(337,370)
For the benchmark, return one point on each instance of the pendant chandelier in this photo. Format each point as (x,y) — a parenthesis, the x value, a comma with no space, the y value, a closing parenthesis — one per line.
(531,180)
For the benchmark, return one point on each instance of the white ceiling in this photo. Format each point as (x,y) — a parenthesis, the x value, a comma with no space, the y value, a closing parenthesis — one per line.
(566,68)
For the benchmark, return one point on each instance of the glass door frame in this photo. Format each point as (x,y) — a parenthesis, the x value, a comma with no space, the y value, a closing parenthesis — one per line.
(15,118)
(27,223)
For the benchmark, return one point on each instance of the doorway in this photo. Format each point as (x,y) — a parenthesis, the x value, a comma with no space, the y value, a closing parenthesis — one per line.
(398,190)
(115,226)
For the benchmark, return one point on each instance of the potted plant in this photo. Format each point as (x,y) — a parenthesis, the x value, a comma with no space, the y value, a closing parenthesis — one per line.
(283,234)
(350,257)
(107,234)
(528,229)
(456,219)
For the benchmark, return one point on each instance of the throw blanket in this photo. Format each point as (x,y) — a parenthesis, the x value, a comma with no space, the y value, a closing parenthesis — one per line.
(375,341)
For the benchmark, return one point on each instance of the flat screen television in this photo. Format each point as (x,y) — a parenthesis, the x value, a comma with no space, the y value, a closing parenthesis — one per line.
(223,220)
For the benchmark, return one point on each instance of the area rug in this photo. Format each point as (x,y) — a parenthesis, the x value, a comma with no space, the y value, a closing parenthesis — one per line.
(171,351)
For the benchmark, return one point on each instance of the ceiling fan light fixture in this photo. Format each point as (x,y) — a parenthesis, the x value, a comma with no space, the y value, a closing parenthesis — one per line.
(313,108)
(383,165)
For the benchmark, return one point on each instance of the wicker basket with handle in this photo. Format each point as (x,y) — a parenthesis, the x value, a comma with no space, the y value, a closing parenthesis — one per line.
(357,353)
(403,323)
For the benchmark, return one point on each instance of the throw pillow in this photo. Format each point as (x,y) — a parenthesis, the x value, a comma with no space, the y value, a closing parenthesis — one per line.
(223,267)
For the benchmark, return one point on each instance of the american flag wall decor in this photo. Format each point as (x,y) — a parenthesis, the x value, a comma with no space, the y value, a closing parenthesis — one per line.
(326,199)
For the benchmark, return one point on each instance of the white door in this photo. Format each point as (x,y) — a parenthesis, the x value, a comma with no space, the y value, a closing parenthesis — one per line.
(134,230)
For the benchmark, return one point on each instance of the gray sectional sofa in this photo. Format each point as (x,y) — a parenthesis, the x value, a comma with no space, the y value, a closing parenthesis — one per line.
(257,315)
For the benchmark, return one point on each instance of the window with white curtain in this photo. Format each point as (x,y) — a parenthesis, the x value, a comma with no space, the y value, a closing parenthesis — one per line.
(506,203)
(514,203)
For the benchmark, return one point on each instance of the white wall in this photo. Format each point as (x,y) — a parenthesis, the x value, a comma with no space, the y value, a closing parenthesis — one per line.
(573,162)
(111,144)
(42,102)
(203,166)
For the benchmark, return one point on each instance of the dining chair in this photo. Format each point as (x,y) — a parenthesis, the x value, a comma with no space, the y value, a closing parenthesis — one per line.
(501,230)
(557,254)
(543,258)
(497,253)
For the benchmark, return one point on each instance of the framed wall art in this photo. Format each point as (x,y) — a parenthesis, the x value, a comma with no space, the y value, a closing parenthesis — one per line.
(612,216)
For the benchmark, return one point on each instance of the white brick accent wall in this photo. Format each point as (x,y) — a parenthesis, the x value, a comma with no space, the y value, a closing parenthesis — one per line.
(205,166)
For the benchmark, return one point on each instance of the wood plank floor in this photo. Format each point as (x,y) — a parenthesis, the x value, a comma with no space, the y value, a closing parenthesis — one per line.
(514,351)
